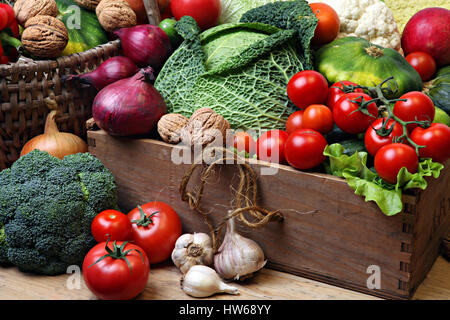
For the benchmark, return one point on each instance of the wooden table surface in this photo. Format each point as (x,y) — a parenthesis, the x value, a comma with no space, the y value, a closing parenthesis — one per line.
(163,284)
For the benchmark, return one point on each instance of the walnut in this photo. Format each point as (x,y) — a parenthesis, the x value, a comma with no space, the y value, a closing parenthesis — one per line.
(27,9)
(205,127)
(45,36)
(88,4)
(115,14)
(170,126)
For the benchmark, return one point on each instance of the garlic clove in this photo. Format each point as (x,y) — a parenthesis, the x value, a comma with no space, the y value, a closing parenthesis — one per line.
(202,281)
(192,249)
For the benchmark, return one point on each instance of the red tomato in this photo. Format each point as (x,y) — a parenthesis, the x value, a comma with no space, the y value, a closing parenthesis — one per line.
(423,63)
(244,141)
(346,116)
(3,18)
(294,122)
(270,146)
(335,92)
(418,106)
(374,141)
(328,26)
(436,139)
(304,149)
(318,117)
(205,12)
(155,227)
(113,223)
(112,278)
(392,157)
(306,88)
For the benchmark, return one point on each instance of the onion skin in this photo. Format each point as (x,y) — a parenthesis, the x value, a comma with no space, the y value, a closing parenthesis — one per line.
(56,143)
(146,45)
(110,71)
(129,107)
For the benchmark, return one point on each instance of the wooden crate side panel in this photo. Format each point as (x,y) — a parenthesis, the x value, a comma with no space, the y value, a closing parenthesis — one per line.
(336,244)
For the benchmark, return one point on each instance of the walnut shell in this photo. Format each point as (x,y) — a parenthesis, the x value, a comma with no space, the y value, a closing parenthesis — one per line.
(45,37)
(88,4)
(170,126)
(115,14)
(204,128)
(27,9)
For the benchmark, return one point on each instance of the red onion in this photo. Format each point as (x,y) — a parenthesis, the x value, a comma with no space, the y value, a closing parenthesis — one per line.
(146,45)
(110,71)
(130,106)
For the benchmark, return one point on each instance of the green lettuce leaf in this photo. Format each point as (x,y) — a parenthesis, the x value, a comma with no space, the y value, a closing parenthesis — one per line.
(232,10)
(368,183)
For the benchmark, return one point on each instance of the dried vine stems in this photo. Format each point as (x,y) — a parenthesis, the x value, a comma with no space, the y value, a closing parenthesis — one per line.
(245,197)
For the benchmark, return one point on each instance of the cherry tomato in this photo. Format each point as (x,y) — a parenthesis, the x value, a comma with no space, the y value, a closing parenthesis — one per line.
(270,146)
(335,92)
(205,12)
(113,278)
(436,139)
(243,141)
(418,106)
(306,88)
(111,223)
(392,157)
(346,116)
(423,63)
(155,227)
(304,149)
(328,26)
(374,141)
(294,122)
(318,117)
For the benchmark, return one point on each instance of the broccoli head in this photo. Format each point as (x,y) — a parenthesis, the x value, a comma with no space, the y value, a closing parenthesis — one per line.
(46,209)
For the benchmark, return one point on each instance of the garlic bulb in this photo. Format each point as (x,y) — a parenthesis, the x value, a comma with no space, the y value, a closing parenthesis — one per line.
(238,257)
(192,249)
(202,281)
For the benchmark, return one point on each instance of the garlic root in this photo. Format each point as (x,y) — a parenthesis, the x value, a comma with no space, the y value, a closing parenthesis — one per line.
(192,249)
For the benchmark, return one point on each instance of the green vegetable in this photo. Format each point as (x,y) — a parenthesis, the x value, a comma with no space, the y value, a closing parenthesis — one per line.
(85,32)
(366,64)
(168,26)
(239,70)
(46,209)
(367,183)
(438,89)
(232,10)
(441,117)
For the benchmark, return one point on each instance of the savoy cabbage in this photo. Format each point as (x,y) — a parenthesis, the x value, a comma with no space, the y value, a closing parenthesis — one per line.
(239,70)
(232,10)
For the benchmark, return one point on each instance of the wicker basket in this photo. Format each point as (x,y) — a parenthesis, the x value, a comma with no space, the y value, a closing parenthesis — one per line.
(24,86)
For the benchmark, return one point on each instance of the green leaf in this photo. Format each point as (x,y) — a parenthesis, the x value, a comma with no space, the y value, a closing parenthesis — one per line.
(368,184)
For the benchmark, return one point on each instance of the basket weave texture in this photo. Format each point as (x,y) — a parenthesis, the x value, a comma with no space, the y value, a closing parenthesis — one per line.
(24,86)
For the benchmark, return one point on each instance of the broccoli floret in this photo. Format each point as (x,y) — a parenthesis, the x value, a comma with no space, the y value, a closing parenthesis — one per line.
(46,209)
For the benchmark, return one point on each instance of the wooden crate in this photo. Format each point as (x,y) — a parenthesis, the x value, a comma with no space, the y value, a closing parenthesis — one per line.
(337,244)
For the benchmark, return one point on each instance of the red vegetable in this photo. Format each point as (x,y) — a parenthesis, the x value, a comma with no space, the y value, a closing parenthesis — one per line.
(436,140)
(318,117)
(111,224)
(335,92)
(146,45)
(294,122)
(304,149)
(110,71)
(347,116)
(418,106)
(423,63)
(129,106)
(270,146)
(374,142)
(306,88)
(205,12)
(243,141)
(392,157)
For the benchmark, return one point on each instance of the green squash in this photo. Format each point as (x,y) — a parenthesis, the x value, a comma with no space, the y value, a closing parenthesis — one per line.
(85,32)
(357,60)
(438,89)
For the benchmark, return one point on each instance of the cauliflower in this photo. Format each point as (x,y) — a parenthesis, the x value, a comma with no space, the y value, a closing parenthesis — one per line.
(368,19)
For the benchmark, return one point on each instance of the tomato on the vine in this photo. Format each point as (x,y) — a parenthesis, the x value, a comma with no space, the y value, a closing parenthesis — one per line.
(436,140)
(304,149)
(423,63)
(318,117)
(243,141)
(155,227)
(347,116)
(328,25)
(119,273)
(374,141)
(294,122)
(306,88)
(418,106)
(336,91)
(270,146)
(113,224)
(205,12)
(392,157)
